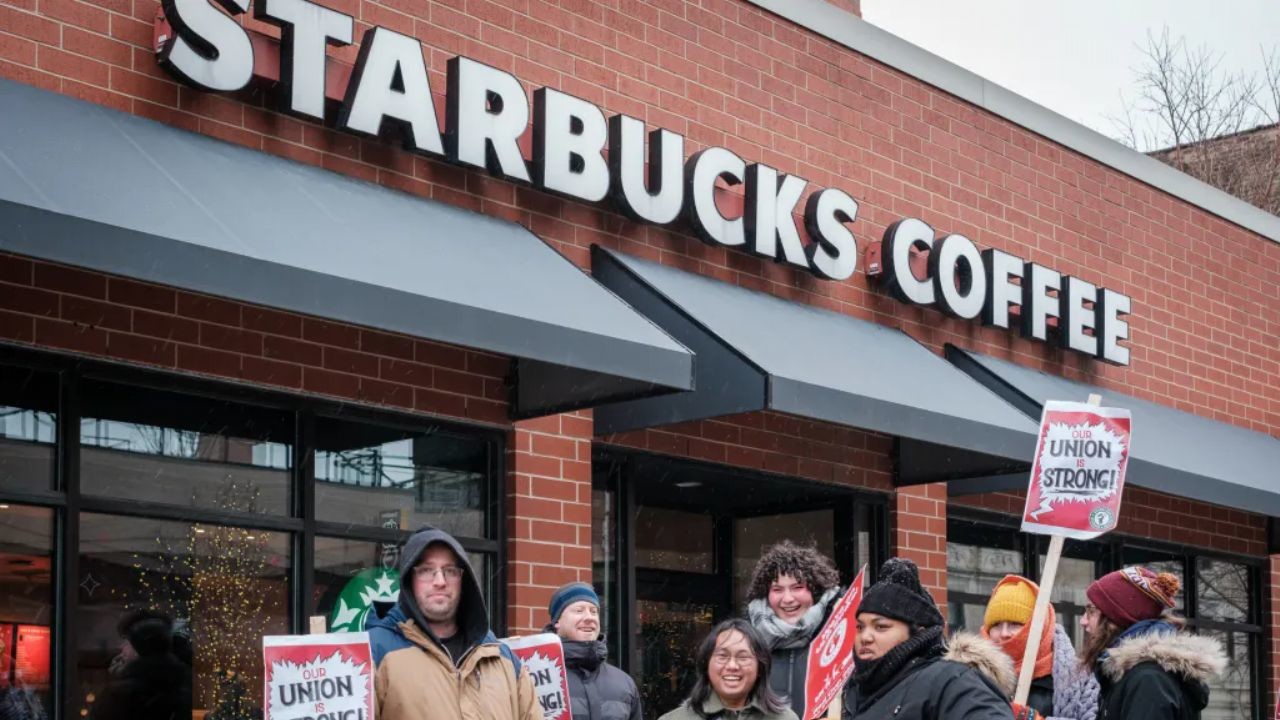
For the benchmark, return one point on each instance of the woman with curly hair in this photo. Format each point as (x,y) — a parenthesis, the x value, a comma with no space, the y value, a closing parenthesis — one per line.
(792,590)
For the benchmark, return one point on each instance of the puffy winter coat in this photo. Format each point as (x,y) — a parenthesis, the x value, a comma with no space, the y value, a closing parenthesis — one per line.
(598,690)
(1158,675)
(972,681)
(415,677)
(1069,692)
(151,687)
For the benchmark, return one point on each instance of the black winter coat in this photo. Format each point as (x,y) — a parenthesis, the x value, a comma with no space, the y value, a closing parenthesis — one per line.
(151,687)
(788,674)
(971,682)
(1158,677)
(598,690)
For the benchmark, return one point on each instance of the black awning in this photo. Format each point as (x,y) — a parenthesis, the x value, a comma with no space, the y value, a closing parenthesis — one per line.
(1174,452)
(760,352)
(85,185)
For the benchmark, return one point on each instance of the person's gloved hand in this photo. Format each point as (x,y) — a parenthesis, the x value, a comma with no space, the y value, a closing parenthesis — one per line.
(1022,712)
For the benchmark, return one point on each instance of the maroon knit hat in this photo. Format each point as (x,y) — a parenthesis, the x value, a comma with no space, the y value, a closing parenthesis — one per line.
(1133,594)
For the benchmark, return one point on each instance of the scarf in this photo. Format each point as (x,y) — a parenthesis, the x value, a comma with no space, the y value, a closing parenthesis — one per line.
(779,635)
(1016,646)
(872,675)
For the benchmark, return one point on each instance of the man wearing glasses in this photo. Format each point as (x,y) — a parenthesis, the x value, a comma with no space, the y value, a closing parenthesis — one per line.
(435,655)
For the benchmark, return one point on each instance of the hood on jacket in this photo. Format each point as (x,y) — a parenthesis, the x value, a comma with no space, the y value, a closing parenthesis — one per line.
(1194,658)
(984,656)
(473,617)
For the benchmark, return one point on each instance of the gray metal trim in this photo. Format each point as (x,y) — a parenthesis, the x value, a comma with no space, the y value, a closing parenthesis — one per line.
(88,186)
(856,34)
(1173,451)
(724,383)
(1009,482)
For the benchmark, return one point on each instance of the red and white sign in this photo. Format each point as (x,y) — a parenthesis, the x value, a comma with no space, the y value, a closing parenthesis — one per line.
(831,652)
(1077,475)
(317,676)
(543,655)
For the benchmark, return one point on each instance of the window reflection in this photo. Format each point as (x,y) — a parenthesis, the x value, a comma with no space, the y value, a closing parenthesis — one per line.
(26,612)
(386,477)
(174,613)
(28,428)
(175,449)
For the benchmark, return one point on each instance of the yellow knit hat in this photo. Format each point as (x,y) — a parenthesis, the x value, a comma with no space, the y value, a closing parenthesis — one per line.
(1013,600)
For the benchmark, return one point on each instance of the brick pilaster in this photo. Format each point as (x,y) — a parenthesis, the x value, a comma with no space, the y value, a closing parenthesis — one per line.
(918,522)
(548,514)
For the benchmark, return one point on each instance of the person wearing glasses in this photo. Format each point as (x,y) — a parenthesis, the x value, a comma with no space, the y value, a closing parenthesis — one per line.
(1147,665)
(907,670)
(597,689)
(1060,687)
(435,657)
(733,679)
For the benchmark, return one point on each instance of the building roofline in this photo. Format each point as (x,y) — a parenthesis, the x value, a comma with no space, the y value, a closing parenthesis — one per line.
(1214,140)
(851,31)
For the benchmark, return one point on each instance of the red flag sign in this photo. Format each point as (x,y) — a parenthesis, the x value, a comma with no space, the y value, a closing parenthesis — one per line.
(310,676)
(543,655)
(831,652)
(1077,476)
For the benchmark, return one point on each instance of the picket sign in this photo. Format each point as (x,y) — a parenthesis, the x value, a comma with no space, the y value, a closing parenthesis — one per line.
(1047,577)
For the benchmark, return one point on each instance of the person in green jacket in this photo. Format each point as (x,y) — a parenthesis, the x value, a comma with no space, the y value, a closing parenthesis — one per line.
(733,679)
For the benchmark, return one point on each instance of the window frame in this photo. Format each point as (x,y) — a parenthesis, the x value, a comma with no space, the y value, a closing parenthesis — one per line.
(1108,552)
(67,501)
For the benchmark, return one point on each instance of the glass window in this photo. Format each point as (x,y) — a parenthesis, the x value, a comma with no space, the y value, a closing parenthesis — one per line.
(751,535)
(1159,562)
(1231,693)
(1222,590)
(350,577)
(26,611)
(385,477)
(188,603)
(604,563)
(972,573)
(28,428)
(140,444)
(673,540)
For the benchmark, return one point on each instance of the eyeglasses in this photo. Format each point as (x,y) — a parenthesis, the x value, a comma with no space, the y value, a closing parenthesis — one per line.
(1091,610)
(450,572)
(741,659)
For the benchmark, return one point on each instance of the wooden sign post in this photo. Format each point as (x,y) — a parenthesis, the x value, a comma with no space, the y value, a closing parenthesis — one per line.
(1077,481)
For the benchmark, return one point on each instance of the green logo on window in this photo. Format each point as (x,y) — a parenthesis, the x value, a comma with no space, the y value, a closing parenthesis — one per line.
(355,602)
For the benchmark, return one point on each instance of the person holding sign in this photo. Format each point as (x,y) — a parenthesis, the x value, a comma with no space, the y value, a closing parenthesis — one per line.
(1060,688)
(434,655)
(597,690)
(1148,667)
(733,671)
(792,590)
(907,671)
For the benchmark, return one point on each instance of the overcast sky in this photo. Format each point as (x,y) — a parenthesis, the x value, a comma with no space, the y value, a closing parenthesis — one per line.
(1076,57)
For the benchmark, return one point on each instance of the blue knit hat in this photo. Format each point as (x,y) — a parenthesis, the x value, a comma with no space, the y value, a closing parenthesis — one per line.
(570,594)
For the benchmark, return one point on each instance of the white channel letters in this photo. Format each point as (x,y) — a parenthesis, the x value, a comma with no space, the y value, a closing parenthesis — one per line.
(487,112)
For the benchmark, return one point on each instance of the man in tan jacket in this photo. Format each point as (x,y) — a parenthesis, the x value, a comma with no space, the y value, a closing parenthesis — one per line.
(434,654)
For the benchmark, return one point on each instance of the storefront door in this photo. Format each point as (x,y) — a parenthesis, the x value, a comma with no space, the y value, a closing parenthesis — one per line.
(684,539)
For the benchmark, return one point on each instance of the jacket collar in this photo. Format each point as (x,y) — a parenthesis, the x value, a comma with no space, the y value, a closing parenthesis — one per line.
(1196,658)
(984,656)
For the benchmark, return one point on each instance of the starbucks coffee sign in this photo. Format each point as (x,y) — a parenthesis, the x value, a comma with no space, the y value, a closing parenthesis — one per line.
(580,153)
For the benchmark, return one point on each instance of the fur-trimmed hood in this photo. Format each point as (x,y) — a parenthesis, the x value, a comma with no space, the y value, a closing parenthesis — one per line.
(1195,658)
(984,656)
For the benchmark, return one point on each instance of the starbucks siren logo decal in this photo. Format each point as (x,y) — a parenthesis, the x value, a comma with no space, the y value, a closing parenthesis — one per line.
(357,598)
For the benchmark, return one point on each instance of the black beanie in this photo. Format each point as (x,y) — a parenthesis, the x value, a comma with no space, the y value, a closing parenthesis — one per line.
(898,594)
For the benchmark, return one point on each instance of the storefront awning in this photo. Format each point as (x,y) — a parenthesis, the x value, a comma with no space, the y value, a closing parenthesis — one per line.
(1173,452)
(760,352)
(93,187)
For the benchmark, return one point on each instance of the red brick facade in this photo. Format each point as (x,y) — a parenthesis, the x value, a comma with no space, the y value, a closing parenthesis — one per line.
(720,72)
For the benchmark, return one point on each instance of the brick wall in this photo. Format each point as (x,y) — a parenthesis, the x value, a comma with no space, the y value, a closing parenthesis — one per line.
(1167,518)
(776,443)
(918,523)
(719,72)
